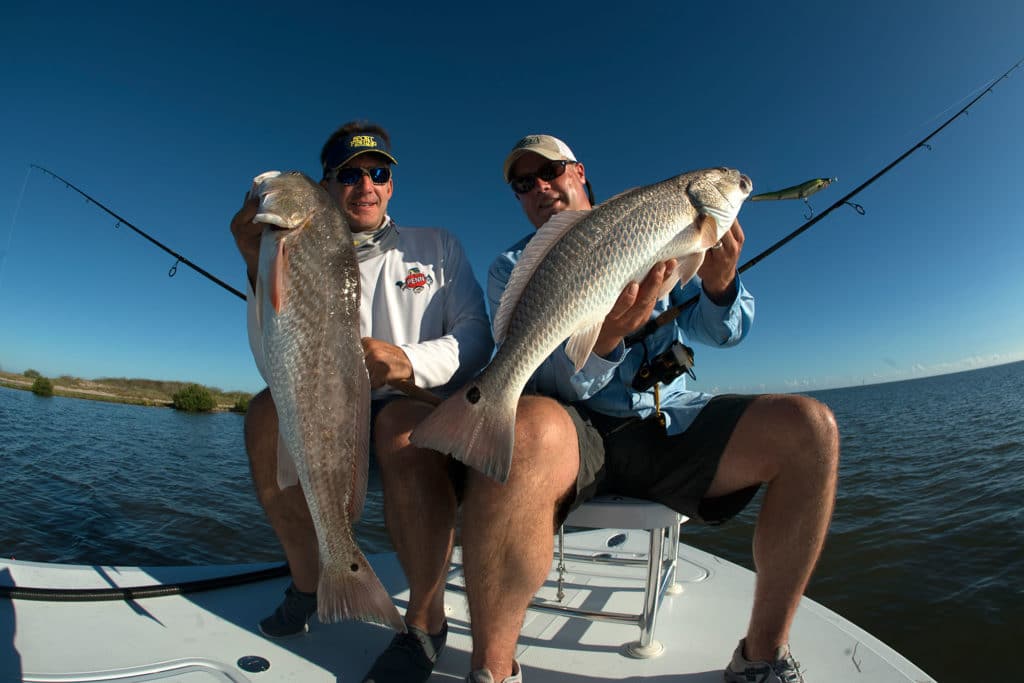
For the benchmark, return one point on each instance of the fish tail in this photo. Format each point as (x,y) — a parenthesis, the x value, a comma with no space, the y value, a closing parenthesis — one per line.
(475,426)
(351,590)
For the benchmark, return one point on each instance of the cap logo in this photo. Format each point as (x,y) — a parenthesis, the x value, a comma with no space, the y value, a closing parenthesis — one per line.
(529,140)
(362,141)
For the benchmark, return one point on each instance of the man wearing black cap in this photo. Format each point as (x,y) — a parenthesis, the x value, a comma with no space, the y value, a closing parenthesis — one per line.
(423,319)
(704,456)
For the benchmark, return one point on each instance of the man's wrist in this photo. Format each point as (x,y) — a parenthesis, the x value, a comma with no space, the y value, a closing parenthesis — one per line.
(723,296)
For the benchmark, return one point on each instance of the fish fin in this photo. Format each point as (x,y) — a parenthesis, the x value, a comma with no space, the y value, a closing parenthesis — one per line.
(688,267)
(533,254)
(581,343)
(258,293)
(622,194)
(708,226)
(474,428)
(287,475)
(350,589)
(279,277)
(361,463)
(723,221)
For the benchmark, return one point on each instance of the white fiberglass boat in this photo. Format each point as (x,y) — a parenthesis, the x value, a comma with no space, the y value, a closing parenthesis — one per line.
(210,635)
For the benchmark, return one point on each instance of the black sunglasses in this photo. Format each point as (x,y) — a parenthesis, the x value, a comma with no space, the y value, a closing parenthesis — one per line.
(353,174)
(547,173)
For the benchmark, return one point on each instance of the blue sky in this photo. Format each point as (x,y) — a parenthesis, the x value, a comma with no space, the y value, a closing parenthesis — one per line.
(166,115)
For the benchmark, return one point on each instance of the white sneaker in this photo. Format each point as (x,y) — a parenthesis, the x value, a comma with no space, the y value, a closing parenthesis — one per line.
(485,676)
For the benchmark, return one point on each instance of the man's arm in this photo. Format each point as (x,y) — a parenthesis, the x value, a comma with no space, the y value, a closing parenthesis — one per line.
(465,347)
(725,311)
(247,236)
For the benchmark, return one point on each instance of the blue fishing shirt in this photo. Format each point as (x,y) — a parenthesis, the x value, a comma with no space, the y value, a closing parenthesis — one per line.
(605,384)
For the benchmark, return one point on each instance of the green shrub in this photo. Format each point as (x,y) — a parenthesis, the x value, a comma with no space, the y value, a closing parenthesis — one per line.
(32,374)
(241,405)
(194,399)
(42,387)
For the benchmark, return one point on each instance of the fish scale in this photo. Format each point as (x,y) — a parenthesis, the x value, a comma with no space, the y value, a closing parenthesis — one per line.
(566,281)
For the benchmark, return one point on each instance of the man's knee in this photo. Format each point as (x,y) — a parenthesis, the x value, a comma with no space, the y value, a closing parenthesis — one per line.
(261,440)
(393,424)
(821,422)
(813,427)
(543,424)
(261,416)
(401,416)
(545,440)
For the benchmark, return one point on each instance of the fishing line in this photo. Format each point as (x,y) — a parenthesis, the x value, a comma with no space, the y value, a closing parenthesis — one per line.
(672,313)
(121,221)
(14,220)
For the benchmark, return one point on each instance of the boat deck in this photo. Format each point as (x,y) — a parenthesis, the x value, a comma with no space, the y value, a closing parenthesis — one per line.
(211,636)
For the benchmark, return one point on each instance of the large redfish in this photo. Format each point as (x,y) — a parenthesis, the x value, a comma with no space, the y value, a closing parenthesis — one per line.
(307,294)
(565,283)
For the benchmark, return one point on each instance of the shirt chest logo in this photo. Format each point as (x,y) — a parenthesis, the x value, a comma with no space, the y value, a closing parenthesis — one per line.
(415,281)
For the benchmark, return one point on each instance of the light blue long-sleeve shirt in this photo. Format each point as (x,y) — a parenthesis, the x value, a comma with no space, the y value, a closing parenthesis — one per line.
(605,384)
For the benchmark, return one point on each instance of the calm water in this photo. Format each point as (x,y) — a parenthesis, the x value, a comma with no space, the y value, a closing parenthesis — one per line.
(926,550)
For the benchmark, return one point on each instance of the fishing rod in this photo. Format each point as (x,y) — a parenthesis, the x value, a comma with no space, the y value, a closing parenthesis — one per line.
(406,387)
(122,221)
(672,313)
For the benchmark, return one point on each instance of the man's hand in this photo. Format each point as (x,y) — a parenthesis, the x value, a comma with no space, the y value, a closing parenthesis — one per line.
(247,235)
(633,307)
(718,272)
(385,362)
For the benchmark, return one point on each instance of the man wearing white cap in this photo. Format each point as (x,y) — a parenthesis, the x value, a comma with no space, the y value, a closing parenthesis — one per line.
(706,460)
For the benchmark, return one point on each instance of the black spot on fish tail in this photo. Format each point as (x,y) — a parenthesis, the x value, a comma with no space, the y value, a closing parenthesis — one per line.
(473,395)
(354,567)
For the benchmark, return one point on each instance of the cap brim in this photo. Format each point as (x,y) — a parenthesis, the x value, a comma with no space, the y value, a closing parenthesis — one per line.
(370,151)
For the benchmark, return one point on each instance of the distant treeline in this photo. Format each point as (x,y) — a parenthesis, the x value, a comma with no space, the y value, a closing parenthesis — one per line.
(181,395)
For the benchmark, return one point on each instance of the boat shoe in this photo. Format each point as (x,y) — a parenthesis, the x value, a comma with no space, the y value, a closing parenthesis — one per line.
(782,669)
(409,658)
(291,618)
(485,675)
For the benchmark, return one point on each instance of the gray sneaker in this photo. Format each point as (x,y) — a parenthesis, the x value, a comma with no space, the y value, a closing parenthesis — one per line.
(782,669)
(485,675)
(409,658)
(291,618)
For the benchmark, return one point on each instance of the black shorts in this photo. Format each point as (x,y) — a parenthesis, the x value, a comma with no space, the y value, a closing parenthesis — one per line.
(636,458)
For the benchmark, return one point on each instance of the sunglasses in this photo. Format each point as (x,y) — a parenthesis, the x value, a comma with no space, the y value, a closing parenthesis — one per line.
(547,173)
(353,174)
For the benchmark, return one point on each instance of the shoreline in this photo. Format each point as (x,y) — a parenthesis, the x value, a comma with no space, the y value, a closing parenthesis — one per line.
(97,391)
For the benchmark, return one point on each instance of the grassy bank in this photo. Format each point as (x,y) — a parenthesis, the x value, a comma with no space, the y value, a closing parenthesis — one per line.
(143,392)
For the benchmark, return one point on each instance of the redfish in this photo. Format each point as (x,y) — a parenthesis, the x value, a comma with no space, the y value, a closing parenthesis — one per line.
(307,293)
(568,278)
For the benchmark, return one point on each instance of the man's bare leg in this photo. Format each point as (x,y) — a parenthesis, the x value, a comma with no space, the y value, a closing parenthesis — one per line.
(419,510)
(791,443)
(286,509)
(508,530)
